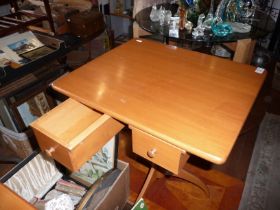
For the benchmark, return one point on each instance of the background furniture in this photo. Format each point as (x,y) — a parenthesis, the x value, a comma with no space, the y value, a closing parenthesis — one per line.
(138,6)
(19,86)
(243,50)
(27,97)
(120,20)
(20,19)
(242,44)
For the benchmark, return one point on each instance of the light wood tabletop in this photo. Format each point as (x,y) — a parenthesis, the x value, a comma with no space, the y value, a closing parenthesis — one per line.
(10,200)
(194,101)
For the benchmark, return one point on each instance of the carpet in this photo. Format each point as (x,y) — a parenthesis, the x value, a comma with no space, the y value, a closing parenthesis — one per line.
(262,186)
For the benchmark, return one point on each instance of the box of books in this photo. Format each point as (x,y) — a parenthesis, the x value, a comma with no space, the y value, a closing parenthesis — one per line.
(47,186)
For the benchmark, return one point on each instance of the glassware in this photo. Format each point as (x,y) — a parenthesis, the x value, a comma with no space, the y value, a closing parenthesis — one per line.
(240,27)
(182,18)
(154,15)
(209,18)
(161,15)
(174,27)
(188,26)
(233,11)
(119,7)
(220,28)
(193,11)
(220,11)
(199,30)
(168,15)
(248,8)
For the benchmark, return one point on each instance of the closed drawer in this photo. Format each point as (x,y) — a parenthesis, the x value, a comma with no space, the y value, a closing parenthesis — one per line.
(158,151)
(71,133)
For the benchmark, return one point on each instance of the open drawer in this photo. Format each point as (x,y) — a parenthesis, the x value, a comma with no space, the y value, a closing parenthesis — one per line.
(71,133)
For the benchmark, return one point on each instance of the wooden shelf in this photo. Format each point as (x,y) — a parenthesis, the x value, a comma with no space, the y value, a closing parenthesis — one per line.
(21,19)
(121,15)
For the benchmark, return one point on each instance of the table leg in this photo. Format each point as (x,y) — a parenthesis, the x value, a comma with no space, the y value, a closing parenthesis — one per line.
(183,174)
(243,50)
(148,180)
(166,40)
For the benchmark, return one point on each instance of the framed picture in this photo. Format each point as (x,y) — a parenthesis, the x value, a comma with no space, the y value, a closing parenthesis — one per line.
(33,108)
(37,53)
(99,164)
(21,46)
(28,106)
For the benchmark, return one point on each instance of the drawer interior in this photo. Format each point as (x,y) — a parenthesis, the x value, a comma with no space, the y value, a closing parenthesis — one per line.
(66,121)
(71,133)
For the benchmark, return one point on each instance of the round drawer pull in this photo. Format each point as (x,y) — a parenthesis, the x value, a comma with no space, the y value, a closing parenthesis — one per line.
(152,153)
(50,151)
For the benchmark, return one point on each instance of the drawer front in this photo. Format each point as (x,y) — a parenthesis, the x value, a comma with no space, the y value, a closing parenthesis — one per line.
(73,140)
(158,151)
(91,142)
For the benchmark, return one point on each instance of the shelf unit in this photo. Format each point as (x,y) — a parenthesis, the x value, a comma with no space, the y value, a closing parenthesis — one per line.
(122,15)
(120,22)
(20,19)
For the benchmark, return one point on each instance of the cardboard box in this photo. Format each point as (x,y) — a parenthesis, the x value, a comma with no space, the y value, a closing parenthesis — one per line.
(113,192)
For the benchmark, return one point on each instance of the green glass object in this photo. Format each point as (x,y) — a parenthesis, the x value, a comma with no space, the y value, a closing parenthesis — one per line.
(193,12)
(233,11)
(220,28)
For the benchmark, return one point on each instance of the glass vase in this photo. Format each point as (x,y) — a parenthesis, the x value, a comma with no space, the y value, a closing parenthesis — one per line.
(209,18)
(182,18)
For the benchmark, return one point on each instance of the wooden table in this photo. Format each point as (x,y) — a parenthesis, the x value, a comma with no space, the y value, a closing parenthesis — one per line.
(193,102)
(10,200)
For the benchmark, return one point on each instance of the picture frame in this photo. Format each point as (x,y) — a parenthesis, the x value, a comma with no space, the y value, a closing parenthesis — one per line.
(37,53)
(100,163)
(27,107)
(33,108)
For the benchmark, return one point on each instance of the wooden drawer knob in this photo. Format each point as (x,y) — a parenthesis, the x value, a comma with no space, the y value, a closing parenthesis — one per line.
(50,151)
(152,153)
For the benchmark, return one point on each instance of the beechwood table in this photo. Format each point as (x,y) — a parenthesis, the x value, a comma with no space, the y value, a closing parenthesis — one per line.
(177,102)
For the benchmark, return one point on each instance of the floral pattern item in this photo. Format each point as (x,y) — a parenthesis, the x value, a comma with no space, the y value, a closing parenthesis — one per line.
(99,164)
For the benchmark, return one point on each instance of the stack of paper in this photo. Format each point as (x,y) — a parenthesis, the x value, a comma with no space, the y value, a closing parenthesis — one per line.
(19,48)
